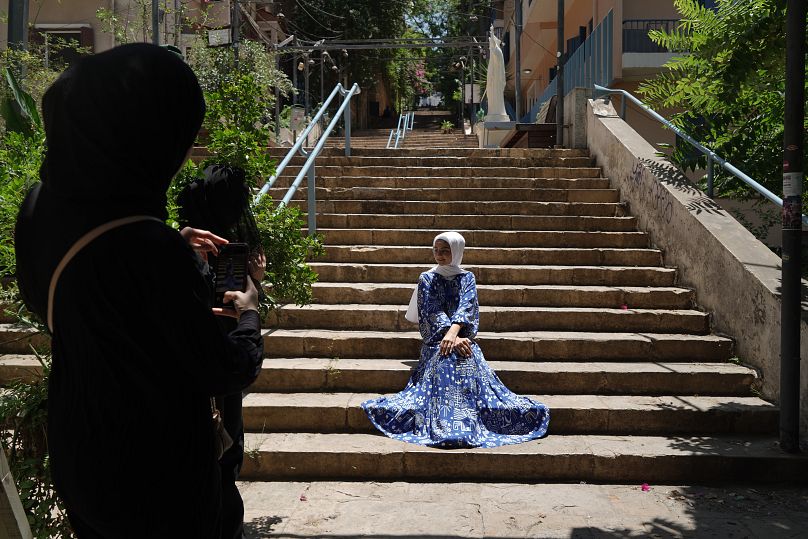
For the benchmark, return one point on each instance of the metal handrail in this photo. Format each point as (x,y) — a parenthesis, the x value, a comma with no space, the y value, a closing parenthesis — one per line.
(397,132)
(308,167)
(408,121)
(712,157)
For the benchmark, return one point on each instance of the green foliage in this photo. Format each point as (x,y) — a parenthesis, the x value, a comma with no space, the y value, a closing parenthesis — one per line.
(446,126)
(20,158)
(287,250)
(39,72)
(236,134)
(240,98)
(131,21)
(23,412)
(728,88)
(23,406)
(19,109)
(358,19)
(406,74)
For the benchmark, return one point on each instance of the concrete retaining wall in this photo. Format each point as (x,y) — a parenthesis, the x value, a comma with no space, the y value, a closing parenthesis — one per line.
(736,277)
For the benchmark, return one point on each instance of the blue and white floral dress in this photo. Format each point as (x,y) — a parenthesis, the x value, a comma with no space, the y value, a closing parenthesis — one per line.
(452,401)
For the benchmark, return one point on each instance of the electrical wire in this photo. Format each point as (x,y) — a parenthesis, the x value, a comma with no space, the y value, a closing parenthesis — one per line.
(312,17)
(321,10)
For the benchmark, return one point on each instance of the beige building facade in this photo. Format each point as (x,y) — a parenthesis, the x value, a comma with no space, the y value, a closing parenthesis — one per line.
(633,57)
(79,21)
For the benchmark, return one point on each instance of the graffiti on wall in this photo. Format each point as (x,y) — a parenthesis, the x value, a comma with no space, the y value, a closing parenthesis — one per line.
(644,184)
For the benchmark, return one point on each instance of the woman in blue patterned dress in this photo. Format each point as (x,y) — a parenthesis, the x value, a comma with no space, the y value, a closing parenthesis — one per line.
(453,398)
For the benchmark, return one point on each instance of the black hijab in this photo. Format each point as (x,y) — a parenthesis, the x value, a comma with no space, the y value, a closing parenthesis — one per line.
(220,202)
(119,125)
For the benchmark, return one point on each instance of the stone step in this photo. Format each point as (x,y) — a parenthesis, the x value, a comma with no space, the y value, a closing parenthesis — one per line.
(399,207)
(446,172)
(291,375)
(281,152)
(359,317)
(499,275)
(518,346)
(486,238)
(517,295)
(484,222)
(570,414)
(480,162)
(556,256)
(16,339)
(454,195)
(413,182)
(590,458)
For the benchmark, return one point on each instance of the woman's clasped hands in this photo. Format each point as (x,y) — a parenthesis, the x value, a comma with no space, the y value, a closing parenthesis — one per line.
(452,343)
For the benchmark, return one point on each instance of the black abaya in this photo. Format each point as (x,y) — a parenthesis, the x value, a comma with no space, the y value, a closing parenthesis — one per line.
(220,202)
(136,350)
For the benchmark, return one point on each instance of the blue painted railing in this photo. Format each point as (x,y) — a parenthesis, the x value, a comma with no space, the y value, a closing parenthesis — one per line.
(590,64)
(406,121)
(712,157)
(307,170)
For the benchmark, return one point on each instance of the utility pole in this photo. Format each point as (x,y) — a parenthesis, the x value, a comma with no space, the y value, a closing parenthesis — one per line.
(235,35)
(517,95)
(473,118)
(790,309)
(155,22)
(560,77)
(18,24)
(306,104)
(322,76)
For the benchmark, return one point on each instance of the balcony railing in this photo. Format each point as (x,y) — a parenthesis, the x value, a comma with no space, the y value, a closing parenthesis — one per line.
(635,34)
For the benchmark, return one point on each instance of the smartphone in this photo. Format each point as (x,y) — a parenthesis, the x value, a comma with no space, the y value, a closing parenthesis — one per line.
(231,271)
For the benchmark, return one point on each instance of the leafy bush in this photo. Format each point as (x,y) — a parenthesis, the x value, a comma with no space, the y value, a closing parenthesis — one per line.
(240,99)
(287,250)
(23,406)
(728,87)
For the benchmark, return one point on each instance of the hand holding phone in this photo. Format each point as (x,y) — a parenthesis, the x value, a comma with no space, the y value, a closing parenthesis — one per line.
(230,271)
(237,303)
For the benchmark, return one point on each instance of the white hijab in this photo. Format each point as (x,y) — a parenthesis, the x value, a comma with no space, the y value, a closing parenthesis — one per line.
(457,244)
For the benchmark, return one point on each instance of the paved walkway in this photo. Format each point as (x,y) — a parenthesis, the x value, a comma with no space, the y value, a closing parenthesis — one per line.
(341,510)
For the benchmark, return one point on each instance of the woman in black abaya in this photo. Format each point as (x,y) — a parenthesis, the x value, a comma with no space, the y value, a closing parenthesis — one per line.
(137,352)
(220,203)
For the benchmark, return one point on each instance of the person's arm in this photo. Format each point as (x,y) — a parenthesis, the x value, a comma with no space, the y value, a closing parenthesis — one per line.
(214,363)
(432,320)
(467,314)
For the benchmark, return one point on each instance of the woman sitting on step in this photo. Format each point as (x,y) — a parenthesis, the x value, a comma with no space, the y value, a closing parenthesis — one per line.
(453,398)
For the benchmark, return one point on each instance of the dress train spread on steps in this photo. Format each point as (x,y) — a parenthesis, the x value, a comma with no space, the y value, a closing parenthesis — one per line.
(452,401)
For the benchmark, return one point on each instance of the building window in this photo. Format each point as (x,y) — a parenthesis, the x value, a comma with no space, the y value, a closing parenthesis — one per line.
(64,44)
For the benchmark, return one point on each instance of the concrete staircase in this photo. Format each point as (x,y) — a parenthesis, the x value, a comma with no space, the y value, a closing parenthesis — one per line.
(577,309)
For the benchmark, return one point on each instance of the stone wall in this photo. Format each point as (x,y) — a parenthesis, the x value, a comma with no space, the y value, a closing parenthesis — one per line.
(736,277)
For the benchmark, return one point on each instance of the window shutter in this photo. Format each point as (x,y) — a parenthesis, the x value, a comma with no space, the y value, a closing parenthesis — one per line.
(88,39)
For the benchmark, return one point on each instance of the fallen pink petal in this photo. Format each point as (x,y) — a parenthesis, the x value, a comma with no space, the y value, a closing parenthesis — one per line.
(645,487)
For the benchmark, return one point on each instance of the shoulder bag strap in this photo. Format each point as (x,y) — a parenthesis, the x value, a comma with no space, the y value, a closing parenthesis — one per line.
(79,245)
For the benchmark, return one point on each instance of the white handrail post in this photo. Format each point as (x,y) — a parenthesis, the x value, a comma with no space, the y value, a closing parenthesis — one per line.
(347,121)
(311,208)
